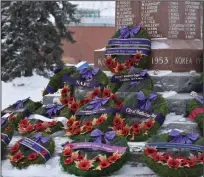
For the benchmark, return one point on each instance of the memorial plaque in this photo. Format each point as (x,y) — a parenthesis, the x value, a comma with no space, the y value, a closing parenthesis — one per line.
(172,20)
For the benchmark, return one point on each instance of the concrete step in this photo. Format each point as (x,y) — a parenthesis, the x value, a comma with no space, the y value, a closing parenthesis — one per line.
(180,82)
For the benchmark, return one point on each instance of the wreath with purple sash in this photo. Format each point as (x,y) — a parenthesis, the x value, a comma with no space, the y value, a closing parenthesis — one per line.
(99,154)
(12,115)
(175,154)
(97,113)
(195,110)
(130,46)
(35,149)
(142,114)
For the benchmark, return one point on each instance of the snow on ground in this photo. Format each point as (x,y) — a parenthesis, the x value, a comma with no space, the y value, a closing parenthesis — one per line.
(23,87)
(159,73)
(167,94)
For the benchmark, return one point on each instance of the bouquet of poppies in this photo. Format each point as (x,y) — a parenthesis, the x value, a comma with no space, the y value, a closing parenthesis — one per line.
(35,149)
(56,81)
(98,112)
(101,154)
(142,114)
(12,115)
(130,46)
(175,154)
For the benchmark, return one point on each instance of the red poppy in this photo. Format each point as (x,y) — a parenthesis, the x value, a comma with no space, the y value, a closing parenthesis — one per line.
(68,161)
(77,131)
(80,157)
(29,128)
(117,120)
(166,157)
(84,165)
(115,63)
(76,124)
(137,57)
(100,120)
(44,153)
(118,127)
(129,63)
(89,128)
(32,156)
(2,136)
(104,164)
(191,163)
(7,128)
(150,151)
(118,103)
(119,68)
(71,100)
(113,96)
(109,61)
(74,107)
(70,121)
(18,156)
(136,131)
(173,163)
(12,118)
(97,159)
(96,92)
(88,123)
(183,160)
(14,148)
(148,125)
(200,158)
(81,103)
(113,158)
(65,91)
(40,126)
(135,125)
(86,100)
(67,152)
(156,157)
(106,93)
(125,131)
(70,129)
(64,101)
(24,123)
(51,124)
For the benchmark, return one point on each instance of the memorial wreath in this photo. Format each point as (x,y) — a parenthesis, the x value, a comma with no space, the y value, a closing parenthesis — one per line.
(175,154)
(141,116)
(99,155)
(35,149)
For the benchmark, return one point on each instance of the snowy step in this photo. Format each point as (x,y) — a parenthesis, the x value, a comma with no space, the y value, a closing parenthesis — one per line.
(177,81)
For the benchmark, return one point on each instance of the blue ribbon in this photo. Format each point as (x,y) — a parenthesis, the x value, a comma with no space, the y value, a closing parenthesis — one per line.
(126,32)
(88,73)
(142,73)
(50,89)
(96,103)
(52,109)
(126,51)
(183,138)
(57,70)
(108,136)
(19,104)
(5,139)
(38,138)
(144,103)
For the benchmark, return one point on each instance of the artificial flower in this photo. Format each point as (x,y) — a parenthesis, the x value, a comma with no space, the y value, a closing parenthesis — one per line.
(135,125)
(40,126)
(64,101)
(104,164)
(65,91)
(138,57)
(18,156)
(89,128)
(113,96)
(84,164)
(108,61)
(191,163)
(68,161)
(150,151)
(87,123)
(164,158)
(117,120)
(67,152)
(136,131)
(182,160)
(74,107)
(7,128)
(149,124)
(106,92)
(29,128)
(77,131)
(12,118)
(71,120)
(14,148)
(24,123)
(76,124)
(118,103)
(32,156)
(173,163)
(96,92)
(200,157)
(53,123)
(44,152)
(118,127)
(80,157)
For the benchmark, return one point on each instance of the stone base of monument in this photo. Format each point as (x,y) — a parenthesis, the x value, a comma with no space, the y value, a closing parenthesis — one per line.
(168,54)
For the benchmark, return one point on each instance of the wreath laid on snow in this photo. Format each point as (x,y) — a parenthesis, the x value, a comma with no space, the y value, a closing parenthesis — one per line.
(97,113)
(12,115)
(37,149)
(6,136)
(141,116)
(50,119)
(175,154)
(130,46)
(195,110)
(100,155)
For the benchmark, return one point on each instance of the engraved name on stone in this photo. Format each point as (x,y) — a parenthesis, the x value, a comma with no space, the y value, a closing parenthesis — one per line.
(183,60)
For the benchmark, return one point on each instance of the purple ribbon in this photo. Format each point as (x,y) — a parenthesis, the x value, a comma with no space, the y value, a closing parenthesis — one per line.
(127,51)
(38,138)
(52,109)
(183,138)
(108,136)
(88,73)
(144,103)
(126,32)
(96,103)
(19,104)
(57,69)
(199,99)
(5,139)
(142,73)
(49,89)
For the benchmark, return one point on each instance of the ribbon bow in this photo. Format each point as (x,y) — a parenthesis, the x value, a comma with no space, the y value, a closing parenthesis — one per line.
(183,138)
(144,103)
(97,102)
(133,70)
(88,73)
(126,32)
(108,136)
(52,109)
(38,138)
(19,104)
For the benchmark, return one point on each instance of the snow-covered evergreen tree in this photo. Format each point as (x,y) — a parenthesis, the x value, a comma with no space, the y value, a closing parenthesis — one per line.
(31,35)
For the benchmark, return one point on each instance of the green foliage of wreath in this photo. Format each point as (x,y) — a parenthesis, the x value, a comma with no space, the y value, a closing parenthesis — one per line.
(92,154)
(147,127)
(56,81)
(163,169)
(25,152)
(123,58)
